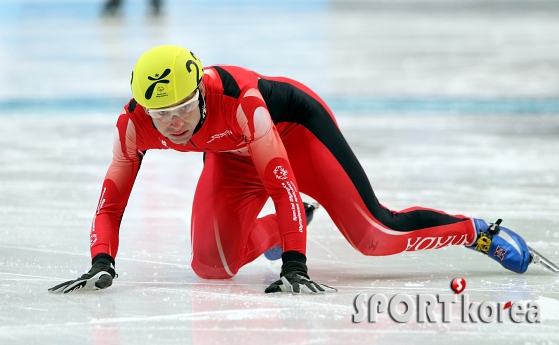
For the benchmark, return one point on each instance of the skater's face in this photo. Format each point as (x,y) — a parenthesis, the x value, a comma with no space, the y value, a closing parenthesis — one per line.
(178,121)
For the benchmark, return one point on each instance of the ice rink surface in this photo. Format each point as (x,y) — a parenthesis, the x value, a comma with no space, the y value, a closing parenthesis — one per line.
(449,105)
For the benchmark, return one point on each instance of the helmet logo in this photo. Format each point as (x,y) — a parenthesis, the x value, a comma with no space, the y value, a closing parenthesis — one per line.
(156,80)
(190,63)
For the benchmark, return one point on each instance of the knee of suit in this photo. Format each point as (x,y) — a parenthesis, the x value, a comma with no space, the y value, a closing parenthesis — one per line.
(212,271)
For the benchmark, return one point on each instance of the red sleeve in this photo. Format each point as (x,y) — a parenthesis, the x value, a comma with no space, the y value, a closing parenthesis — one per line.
(271,162)
(116,189)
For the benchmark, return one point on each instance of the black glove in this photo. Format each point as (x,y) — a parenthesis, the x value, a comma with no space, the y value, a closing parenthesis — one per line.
(100,276)
(294,279)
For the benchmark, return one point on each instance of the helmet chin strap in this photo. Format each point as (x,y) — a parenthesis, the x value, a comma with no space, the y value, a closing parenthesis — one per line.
(202,114)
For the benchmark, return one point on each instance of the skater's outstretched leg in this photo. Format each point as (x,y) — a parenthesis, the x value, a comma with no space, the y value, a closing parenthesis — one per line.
(328,171)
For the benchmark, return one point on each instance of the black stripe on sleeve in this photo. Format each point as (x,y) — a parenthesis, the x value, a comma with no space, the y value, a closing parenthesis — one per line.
(230,86)
(132,106)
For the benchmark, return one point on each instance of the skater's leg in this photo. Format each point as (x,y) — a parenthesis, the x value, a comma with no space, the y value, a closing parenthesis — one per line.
(224,233)
(156,7)
(111,7)
(327,170)
(344,191)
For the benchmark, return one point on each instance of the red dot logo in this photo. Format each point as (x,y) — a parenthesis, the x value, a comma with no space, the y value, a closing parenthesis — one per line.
(458,285)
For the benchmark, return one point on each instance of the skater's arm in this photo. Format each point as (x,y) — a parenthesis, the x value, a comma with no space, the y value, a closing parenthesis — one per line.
(116,189)
(272,164)
(115,192)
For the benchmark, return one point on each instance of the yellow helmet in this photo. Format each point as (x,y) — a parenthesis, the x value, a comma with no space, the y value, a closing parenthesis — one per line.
(165,75)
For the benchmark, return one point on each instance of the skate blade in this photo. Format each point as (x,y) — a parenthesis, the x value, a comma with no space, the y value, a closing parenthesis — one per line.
(540,260)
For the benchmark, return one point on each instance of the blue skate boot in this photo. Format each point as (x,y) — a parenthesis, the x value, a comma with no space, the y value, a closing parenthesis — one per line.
(275,252)
(502,245)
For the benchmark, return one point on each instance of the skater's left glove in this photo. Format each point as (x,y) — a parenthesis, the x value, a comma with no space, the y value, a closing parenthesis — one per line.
(100,276)
(295,279)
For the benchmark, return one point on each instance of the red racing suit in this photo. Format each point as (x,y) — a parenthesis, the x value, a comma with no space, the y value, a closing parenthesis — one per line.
(266,137)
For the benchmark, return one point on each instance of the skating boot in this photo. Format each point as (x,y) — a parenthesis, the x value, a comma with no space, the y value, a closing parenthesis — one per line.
(502,245)
(275,252)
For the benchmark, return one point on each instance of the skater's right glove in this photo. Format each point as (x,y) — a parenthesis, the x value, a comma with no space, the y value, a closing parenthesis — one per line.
(295,279)
(100,276)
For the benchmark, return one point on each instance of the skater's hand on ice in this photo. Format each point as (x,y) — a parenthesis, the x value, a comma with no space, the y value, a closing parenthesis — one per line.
(294,279)
(100,276)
